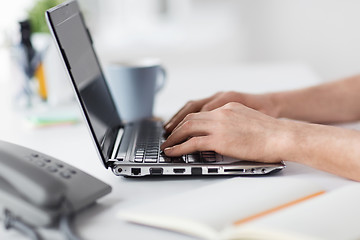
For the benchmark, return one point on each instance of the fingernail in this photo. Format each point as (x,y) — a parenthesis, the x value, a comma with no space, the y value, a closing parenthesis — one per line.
(161,147)
(168,149)
(167,126)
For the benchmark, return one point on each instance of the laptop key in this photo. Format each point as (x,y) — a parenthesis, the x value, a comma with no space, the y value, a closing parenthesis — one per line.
(209,156)
(152,152)
(193,158)
(178,160)
(165,159)
(150,160)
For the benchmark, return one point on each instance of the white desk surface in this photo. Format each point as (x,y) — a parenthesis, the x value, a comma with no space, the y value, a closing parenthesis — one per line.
(72,144)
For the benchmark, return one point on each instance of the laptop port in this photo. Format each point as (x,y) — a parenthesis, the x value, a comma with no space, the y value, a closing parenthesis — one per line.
(156,171)
(196,171)
(212,170)
(135,171)
(235,170)
(179,170)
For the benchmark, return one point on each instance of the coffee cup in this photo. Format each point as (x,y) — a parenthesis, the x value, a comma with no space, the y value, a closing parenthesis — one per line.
(133,86)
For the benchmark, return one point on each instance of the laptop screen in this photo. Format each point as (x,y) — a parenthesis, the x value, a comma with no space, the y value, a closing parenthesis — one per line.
(75,44)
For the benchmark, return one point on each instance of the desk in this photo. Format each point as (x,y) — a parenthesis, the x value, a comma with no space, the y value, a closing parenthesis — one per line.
(72,144)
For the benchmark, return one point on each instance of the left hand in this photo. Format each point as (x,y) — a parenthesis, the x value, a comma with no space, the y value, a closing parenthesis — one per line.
(232,130)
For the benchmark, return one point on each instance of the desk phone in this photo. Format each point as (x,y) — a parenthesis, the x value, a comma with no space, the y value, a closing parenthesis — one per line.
(39,188)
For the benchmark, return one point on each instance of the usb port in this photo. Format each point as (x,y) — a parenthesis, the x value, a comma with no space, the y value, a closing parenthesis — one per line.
(179,170)
(156,171)
(212,170)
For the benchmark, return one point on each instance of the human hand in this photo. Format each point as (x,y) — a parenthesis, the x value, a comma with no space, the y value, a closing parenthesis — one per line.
(232,130)
(262,102)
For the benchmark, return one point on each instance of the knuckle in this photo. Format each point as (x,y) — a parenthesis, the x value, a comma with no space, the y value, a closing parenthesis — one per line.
(188,124)
(231,105)
(225,110)
(189,117)
(206,107)
(224,113)
(190,103)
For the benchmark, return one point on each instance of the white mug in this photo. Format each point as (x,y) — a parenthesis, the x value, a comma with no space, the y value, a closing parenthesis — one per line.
(133,86)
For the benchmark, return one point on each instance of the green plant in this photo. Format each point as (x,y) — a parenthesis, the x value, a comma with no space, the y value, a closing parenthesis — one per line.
(37,14)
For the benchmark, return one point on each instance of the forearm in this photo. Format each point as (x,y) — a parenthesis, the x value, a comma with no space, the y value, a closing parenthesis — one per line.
(328,148)
(327,103)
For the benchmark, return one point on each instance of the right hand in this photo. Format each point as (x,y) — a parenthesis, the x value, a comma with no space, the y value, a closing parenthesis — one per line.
(232,130)
(260,102)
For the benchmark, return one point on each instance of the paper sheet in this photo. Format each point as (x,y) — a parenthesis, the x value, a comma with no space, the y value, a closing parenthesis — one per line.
(219,205)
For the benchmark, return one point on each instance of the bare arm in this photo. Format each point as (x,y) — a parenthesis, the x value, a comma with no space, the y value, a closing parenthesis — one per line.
(332,149)
(238,131)
(332,102)
(228,124)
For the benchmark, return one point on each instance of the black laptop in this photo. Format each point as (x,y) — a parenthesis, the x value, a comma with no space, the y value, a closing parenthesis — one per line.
(131,149)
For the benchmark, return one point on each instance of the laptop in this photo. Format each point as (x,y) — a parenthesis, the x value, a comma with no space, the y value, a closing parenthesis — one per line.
(128,149)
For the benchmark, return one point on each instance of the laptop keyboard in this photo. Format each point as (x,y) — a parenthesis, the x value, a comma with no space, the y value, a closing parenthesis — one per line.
(147,148)
(148,143)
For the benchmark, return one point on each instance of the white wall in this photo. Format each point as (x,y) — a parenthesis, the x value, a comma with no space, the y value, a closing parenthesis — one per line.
(190,31)
(321,33)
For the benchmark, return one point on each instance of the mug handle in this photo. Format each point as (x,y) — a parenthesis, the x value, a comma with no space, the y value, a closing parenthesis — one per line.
(160,84)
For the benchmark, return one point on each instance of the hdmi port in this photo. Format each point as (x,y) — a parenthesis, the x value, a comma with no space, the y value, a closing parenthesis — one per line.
(179,170)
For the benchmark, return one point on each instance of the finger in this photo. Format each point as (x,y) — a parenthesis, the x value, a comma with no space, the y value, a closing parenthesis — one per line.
(191,117)
(174,121)
(194,144)
(187,130)
(190,107)
(214,104)
(177,114)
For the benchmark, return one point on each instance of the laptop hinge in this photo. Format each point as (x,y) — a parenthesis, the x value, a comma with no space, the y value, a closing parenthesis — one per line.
(117,144)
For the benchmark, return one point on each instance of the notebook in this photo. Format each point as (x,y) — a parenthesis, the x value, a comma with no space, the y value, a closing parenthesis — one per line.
(230,209)
(128,149)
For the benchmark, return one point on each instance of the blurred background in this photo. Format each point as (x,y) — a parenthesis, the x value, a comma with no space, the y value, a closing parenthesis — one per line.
(320,33)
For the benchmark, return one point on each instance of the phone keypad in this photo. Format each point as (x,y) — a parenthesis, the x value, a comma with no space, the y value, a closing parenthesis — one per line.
(65,174)
(51,165)
(40,163)
(52,169)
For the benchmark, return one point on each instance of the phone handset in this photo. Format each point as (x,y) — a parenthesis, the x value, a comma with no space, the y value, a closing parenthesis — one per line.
(28,178)
(41,189)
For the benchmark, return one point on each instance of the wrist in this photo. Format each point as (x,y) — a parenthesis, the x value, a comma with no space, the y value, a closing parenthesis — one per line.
(277,101)
(288,140)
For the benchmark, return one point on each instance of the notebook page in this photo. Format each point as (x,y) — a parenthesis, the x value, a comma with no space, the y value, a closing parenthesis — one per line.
(219,205)
(332,216)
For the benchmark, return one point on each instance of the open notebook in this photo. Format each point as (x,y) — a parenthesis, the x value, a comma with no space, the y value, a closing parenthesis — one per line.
(227,210)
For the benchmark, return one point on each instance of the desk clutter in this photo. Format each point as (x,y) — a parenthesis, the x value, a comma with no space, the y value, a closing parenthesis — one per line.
(39,84)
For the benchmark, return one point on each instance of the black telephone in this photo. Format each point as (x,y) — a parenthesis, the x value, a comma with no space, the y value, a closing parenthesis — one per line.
(38,188)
